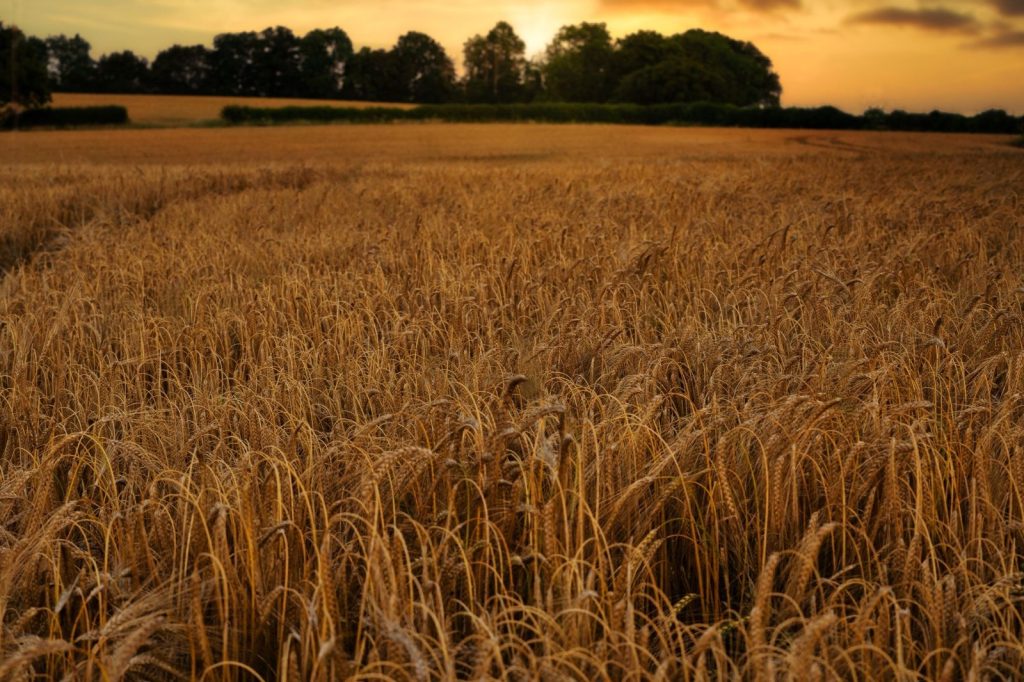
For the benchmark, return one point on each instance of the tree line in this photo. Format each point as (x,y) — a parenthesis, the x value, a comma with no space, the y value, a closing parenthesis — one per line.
(581,64)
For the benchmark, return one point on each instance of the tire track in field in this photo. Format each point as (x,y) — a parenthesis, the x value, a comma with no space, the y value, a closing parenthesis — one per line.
(41,226)
(832,143)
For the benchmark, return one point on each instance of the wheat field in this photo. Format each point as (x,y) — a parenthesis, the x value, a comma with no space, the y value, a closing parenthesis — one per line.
(438,402)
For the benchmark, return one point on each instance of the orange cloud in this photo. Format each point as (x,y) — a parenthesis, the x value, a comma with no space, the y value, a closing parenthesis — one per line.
(1002,39)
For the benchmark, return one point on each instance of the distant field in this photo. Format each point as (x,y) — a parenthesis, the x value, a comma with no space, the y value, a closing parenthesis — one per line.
(441,142)
(524,402)
(175,110)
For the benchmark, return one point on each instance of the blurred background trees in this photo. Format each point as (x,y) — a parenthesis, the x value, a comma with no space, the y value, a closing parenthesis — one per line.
(497,71)
(24,77)
(581,64)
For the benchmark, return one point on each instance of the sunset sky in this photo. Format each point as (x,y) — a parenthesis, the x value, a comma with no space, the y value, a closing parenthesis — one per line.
(958,55)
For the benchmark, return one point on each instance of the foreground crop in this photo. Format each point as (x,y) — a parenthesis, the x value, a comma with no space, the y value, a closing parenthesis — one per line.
(656,417)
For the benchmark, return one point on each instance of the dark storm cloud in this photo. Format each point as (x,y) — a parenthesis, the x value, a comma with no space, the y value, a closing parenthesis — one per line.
(932,19)
(1010,7)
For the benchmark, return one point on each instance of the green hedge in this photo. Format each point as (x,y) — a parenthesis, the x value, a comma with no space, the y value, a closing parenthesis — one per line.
(65,117)
(270,115)
(700,113)
(553,112)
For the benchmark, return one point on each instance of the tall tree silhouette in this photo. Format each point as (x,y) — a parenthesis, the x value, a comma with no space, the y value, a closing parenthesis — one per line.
(424,71)
(323,55)
(71,67)
(578,64)
(233,64)
(496,66)
(277,65)
(370,75)
(122,72)
(23,76)
(181,70)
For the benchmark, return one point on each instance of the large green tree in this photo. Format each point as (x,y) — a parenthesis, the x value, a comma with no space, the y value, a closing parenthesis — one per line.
(323,55)
(278,64)
(424,71)
(694,66)
(370,75)
(416,69)
(181,70)
(233,64)
(748,73)
(122,72)
(675,80)
(578,64)
(72,68)
(496,66)
(24,79)
(640,50)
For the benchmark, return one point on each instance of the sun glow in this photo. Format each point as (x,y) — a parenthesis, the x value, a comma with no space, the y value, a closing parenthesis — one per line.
(537,26)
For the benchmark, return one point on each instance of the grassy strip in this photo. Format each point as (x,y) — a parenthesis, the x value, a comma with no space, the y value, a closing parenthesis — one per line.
(663,114)
(64,117)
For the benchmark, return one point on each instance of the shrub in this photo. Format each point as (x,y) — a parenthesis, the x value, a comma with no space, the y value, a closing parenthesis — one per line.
(65,117)
(995,121)
(324,114)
